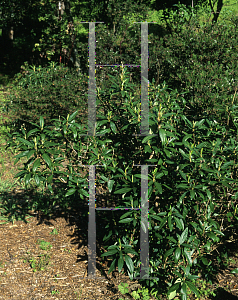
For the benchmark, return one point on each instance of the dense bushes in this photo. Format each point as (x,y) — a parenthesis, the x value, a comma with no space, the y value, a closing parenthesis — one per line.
(202,63)
(192,191)
(195,173)
(51,92)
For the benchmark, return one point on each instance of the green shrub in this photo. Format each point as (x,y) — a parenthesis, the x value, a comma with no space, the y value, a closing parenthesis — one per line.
(192,190)
(51,92)
(202,63)
(193,178)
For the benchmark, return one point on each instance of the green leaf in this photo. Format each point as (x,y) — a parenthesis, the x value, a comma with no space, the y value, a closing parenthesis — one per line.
(71,117)
(148,149)
(70,192)
(175,287)
(50,178)
(177,254)
(168,253)
(200,123)
(113,247)
(109,253)
(172,295)
(25,142)
(183,236)
(28,178)
(41,122)
(159,187)
(192,194)
(204,260)
(192,288)
(22,154)
(208,194)
(107,237)
(162,135)
(129,250)
(37,179)
(123,288)
(170,223)
(162,223)
(179,223)
(110,184)
(112,267)
(182,185)
(147,138)
(127,220)
(183,296)
(120,264)
(235,271)
(178,274)
(31,132)
(20,174)
(123,191)
(104,131)
(47,159)
(184,288)
(113,127)
(188,257)
(36,165)
(50,188)
(83,192)
(129,264)
(30,153)
(192,277)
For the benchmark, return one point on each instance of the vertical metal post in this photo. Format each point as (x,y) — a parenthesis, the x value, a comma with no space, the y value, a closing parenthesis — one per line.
(92,82)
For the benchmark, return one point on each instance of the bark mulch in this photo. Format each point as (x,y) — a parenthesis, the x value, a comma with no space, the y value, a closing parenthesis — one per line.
(64,266)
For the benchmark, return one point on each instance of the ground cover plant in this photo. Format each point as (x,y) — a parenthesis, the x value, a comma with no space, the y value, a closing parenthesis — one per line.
(192,191)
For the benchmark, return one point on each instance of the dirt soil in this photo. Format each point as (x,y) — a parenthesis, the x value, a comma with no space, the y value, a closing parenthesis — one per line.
(30,271)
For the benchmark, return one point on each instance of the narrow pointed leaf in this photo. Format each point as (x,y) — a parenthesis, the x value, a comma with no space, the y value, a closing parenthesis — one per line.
(174,288)
(50,188)
(129,264)
(188,257)
(47,159)
(123,191)
(120,264)
(113,127)
(25,142)
(20,174)
(36,165)
(192,288)
(168,253)
(70,192)
(127,220)
(41,122)
(112,267)
(183,236)
(37,179)
(162,135)
(27,179)
(110,185)
(177,254)
(30,153)
(71,117)
(31,132)
(109,253)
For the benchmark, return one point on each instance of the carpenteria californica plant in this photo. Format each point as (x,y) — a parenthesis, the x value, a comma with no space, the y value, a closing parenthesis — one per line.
(191,191)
